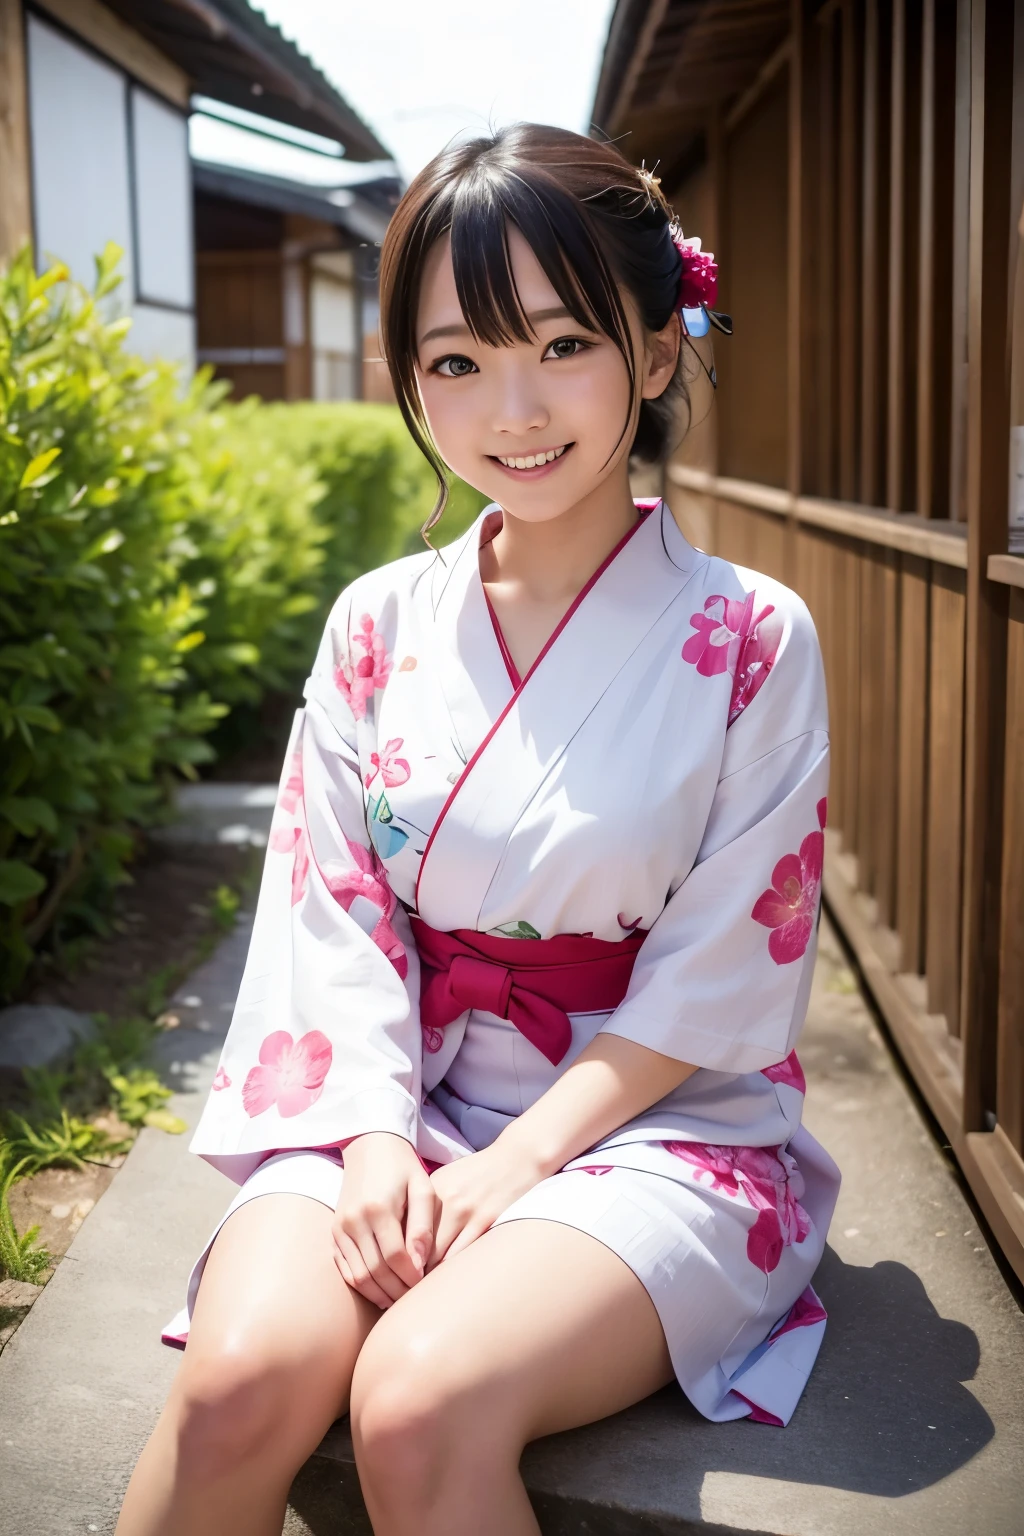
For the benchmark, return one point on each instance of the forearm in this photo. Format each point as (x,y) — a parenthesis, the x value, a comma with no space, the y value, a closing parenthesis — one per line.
(610,1081)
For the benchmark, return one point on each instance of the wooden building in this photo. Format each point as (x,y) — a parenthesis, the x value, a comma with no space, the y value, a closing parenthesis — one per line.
(264,278)
(857,166)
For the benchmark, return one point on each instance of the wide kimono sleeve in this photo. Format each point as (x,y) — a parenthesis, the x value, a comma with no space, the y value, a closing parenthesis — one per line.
(325,1041)
(723,978)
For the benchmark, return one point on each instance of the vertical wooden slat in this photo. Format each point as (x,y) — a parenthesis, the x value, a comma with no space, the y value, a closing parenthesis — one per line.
(823,398)
(945,800)
(988,427)
(15,179)
(935,257)
(959,239)
(911,884)
(868,776)
(886,619)
(1010,1090)
(848,264)
(903,216)
(800,260)
(874,246)
(851,702)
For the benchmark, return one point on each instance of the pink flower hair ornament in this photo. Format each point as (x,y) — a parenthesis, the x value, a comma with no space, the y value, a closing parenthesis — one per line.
(698,288)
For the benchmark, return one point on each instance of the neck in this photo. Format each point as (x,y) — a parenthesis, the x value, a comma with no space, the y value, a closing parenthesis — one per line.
(552,560)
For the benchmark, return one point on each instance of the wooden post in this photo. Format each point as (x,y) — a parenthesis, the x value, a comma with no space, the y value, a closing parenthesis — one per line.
(799,277)
(988,426)
(848,267)
(874,246)
(15,175)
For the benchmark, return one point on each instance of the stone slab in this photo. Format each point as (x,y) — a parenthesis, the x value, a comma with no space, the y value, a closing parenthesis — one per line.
(239,814)
(913,1424)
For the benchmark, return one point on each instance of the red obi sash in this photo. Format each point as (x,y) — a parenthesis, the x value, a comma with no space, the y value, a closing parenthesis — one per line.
(534,983)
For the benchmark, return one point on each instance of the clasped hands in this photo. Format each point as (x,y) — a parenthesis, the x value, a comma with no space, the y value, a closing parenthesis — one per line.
(395,1222)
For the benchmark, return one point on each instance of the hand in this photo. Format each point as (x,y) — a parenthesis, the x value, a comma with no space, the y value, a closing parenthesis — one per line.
(384,1184)
(474,1190)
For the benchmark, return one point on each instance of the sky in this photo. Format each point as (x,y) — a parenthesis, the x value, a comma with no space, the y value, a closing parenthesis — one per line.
(421,71)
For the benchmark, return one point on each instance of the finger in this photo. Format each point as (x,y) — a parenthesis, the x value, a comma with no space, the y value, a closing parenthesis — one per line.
(387,1229)
(375,1264)
(361,1281)
(448,1228)
(419,1221)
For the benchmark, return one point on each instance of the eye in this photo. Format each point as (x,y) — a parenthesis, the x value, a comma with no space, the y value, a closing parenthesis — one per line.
(454,367)
(567,346)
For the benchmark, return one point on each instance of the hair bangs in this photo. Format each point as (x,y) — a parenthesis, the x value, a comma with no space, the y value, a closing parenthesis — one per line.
(485,206)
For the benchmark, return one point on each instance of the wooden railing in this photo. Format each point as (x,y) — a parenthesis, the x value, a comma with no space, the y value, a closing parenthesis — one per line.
(888,593)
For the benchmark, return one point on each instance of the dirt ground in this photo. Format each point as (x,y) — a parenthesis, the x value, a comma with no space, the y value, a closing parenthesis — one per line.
(159,924)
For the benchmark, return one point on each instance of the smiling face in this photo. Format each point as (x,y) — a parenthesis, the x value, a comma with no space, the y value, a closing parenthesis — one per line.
(537,425)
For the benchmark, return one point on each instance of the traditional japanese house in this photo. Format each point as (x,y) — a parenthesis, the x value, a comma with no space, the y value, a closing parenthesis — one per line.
(263,277)
(857,166)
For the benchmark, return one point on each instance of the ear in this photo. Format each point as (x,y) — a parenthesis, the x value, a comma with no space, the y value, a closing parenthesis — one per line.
(662,355)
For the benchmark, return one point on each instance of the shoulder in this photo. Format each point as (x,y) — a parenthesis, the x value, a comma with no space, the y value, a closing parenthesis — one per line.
(379,594)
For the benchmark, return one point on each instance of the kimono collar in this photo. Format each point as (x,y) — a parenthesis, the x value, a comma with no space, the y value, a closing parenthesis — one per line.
(512,739)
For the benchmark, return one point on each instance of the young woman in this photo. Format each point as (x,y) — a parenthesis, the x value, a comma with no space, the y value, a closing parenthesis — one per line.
(510,1087)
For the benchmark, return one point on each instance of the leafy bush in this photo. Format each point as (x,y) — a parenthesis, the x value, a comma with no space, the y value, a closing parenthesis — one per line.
(377,489)
(167,560)
(95,622)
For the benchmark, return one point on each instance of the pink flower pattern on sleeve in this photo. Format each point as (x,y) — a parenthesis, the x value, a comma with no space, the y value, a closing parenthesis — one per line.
(290,1073)
(369,880)
(768,1178)
(732,638)
(790,907)
(392,768)
(358,680)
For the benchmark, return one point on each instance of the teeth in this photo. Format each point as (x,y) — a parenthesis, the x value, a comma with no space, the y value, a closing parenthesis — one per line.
(531,460)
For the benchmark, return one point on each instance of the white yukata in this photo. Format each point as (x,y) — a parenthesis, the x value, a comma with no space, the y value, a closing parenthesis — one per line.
(662,767)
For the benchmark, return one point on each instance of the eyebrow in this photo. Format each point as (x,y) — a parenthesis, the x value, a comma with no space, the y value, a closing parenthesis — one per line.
(557,312)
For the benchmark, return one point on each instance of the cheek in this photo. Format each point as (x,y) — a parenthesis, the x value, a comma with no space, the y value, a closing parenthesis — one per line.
(598,397)
(451,414)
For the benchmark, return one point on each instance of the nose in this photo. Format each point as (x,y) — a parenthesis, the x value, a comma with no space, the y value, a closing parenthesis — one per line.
(518,406)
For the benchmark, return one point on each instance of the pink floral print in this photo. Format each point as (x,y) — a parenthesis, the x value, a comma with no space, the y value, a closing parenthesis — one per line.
(596,1168)
(764,1176)
(220,1080)
(290,1074)
(732,638)
(789,1072)
(291,791)
(369,880)
(790,907)
(392,768)
(293,840)
(357,681)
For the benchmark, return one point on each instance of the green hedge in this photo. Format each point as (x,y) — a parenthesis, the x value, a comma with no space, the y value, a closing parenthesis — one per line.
(165,558)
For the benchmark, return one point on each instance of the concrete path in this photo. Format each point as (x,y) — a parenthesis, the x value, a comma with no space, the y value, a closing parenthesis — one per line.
(913,1422)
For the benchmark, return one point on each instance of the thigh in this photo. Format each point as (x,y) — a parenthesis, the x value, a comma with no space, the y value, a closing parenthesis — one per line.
(272,1304)
(536,1322)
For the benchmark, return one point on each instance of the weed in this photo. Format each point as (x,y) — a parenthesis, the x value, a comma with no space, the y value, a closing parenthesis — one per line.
(20,1258)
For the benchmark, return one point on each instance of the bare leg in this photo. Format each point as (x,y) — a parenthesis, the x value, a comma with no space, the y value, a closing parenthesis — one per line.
(536,1327)
(274,1337)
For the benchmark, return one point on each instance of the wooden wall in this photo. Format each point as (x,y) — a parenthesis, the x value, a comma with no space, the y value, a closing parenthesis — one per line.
(862,457)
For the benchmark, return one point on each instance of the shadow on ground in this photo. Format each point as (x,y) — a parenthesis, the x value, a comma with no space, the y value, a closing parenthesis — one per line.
(886,1414)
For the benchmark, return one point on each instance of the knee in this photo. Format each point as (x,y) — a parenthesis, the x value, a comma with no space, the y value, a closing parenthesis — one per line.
(229,1409)
(417,1420)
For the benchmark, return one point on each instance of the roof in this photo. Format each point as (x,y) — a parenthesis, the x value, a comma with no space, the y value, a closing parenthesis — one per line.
(362,214)
(232,53)
(667,63)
